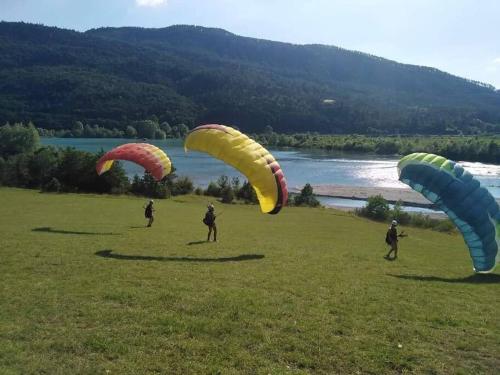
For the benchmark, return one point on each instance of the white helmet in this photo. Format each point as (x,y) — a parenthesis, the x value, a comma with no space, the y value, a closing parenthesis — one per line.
(394,222)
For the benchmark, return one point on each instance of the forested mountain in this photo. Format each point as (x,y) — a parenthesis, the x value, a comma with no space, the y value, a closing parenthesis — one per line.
(186,74)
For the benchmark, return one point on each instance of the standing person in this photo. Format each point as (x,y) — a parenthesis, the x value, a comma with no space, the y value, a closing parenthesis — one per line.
(148,212)
(209,220)
(391,238)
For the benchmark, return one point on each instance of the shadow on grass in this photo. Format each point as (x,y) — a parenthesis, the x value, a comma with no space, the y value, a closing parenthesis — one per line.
(197,243)
(138,227)
(239,258)
(478,278)
(61,231)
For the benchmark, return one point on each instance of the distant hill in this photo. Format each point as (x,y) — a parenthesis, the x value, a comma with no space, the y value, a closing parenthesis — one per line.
(187,74)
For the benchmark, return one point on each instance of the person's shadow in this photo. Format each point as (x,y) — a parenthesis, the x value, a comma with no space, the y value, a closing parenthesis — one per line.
(61,231)
(197,243)
(478,278)
(238,258)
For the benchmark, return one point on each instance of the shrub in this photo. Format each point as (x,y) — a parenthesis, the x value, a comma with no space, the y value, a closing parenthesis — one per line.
(160,134)
(198,191)
(146,129)
(18,139)
(52,186)
(445,226)
(130,132)
(223,182)
(235,185)
(306,197)
(212,190)
(2,170)
(149,187)
(247,193)
(399,215)
(182,186)
(376,208)
(227,195)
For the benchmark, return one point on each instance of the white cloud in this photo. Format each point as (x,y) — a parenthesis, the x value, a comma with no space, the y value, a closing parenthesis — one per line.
(150,3)
(497,60)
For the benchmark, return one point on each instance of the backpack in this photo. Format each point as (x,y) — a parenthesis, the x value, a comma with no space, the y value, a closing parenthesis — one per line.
(388,237)
(209,219)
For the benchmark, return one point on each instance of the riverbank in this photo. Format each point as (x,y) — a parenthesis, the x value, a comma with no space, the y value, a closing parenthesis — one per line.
(392,195)
(407,196)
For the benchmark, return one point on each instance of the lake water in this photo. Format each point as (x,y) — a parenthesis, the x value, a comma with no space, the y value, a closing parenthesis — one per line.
(300,166)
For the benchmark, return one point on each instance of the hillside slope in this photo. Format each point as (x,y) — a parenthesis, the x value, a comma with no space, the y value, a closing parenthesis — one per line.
(112,76)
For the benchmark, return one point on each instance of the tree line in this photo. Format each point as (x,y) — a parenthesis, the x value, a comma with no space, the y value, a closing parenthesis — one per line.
(468,148)
(25,163)
(149,129)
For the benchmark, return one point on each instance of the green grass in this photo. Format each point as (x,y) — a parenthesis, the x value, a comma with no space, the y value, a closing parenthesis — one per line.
(86,289)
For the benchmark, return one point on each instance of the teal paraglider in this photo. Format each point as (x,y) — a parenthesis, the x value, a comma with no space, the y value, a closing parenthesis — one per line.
(470,206)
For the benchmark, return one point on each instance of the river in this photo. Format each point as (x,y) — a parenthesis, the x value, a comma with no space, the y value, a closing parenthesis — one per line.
(300,166)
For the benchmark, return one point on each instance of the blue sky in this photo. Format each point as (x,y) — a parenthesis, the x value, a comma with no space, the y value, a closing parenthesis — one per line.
(458,36)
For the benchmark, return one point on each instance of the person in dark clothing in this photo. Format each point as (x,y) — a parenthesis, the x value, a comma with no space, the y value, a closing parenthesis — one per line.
(392,239)
(148,212)
(209,220)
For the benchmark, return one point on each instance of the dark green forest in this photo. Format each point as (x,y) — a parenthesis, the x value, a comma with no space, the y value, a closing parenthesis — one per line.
(115,77)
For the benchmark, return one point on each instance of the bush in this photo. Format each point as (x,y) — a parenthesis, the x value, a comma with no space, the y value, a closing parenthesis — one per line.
(223,182)
(2,170)
(18,139)
(306,197)
(227,195)
(149,187)
(17,171)
(445,226)
(213,190)
(52,186)
(422,221)
(146,129)
(247,193)
(160,134)
(130,132)
(376,208)
(399,215)
(198,191)
(182,186)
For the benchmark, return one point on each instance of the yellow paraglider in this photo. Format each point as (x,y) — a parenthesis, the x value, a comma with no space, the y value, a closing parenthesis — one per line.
(249,157)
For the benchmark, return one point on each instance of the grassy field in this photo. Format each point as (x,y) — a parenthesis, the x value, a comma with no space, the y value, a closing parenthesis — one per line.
(87,289)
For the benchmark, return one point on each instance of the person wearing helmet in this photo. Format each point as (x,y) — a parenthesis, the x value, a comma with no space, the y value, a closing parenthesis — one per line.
(209,220)
(148,212)
(391,238)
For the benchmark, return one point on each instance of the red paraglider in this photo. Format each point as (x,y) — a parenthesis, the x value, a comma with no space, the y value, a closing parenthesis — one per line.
(150,157)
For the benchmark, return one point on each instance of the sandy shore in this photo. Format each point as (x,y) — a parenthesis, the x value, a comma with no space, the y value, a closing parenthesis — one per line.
(392,195)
